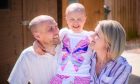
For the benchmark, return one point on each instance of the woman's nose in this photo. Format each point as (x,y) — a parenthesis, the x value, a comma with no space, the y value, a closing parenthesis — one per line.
(92,36)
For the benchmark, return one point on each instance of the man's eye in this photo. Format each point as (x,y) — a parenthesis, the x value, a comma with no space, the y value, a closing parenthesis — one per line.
(51,29)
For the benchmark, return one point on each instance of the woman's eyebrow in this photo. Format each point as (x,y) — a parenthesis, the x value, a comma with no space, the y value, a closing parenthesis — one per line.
(97,33)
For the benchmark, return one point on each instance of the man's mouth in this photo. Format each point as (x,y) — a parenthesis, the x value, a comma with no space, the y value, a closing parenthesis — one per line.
(56,40)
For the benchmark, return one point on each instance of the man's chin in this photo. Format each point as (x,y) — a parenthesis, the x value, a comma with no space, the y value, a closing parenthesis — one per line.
(56,42)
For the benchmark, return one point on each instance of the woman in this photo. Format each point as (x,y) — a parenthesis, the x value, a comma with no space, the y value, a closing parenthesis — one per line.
(108,43)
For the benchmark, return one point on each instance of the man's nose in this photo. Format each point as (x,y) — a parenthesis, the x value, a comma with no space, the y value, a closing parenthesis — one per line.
(56,30)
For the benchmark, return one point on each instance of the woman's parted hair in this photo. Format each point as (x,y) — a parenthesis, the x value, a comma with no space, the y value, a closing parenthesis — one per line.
(115,37)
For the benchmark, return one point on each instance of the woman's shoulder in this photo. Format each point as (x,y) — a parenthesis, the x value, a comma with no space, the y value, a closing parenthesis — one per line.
(123,61)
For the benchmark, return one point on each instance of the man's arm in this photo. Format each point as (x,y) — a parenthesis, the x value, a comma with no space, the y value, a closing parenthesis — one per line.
(19,74)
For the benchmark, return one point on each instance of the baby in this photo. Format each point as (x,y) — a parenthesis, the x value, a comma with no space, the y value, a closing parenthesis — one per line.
(74,61)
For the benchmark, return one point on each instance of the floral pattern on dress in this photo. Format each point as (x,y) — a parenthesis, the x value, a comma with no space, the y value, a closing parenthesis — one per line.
(74,55)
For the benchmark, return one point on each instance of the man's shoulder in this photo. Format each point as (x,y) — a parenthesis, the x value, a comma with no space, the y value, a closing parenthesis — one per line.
(27,52)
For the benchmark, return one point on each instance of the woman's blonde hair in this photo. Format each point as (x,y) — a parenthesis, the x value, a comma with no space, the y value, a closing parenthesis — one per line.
(115,37)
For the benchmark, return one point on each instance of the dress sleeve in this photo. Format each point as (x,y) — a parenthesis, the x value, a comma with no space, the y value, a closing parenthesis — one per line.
(62,33)
(19,74)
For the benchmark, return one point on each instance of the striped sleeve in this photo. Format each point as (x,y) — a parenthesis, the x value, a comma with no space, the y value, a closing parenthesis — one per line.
(122,75)
(117,73)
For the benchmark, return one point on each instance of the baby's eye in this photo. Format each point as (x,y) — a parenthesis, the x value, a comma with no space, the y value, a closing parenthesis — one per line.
(71,19)
(79,19)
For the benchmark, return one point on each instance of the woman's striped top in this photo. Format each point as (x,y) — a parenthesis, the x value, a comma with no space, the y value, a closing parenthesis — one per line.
(114,72)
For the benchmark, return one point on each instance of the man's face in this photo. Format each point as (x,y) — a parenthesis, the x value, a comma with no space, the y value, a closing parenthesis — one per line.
(48,33)
(76,21)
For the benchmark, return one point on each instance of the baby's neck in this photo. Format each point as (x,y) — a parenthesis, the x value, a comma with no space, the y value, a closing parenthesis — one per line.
(79,31)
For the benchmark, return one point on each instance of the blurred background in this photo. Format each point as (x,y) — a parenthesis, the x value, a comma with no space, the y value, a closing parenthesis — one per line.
(15,16)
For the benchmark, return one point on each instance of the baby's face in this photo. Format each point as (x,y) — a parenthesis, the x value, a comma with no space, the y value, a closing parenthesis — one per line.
(76,21)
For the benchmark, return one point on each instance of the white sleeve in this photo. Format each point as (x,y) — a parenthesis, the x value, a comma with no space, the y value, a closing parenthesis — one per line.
(63,32)
(19,74)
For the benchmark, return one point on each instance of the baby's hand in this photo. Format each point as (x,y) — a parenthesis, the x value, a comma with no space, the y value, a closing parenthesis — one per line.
(38,48)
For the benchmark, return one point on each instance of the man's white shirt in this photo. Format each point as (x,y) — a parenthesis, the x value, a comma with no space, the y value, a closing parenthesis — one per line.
(30,67)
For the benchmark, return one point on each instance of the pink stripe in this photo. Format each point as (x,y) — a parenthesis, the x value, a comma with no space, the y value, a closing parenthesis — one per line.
(82,80)
(78,80)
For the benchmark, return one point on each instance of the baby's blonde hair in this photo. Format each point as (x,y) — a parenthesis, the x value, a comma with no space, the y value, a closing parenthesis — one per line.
(75,7)
(115,37)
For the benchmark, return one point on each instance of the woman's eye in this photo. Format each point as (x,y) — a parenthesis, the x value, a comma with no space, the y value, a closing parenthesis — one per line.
(97,35)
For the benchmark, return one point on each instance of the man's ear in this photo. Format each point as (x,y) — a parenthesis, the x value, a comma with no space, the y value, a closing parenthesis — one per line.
(36,35)
(65,18)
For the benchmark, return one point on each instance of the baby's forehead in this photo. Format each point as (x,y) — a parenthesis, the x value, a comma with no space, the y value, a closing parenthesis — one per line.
(75,8)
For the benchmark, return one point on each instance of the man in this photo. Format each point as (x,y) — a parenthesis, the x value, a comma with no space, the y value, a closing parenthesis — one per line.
(32,67)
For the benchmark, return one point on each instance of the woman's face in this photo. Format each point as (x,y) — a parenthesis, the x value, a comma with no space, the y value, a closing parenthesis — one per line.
(97,40)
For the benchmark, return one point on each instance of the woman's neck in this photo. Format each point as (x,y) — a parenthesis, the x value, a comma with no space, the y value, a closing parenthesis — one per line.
(101,61)
(101,56)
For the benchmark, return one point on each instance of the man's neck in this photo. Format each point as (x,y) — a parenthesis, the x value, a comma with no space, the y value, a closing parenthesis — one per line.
(50,49)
